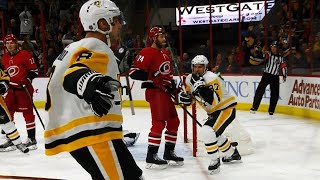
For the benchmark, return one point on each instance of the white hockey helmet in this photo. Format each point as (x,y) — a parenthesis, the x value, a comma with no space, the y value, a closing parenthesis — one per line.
(200,59)
(94,10)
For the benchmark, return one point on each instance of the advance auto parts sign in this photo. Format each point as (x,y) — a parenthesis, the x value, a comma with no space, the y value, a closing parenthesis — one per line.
(223,13)
(305,94)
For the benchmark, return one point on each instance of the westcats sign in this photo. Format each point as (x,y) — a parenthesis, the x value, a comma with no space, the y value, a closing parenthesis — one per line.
(223,13)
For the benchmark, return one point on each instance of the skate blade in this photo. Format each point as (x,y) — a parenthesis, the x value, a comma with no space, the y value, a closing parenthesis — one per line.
(175,163)
(8,149)
(233,162)
(32,147)
(216,171)
(156,166)
(25,151)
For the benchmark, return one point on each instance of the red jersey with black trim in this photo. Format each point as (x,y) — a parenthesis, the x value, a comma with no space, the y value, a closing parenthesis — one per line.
(19,65)
(154,61)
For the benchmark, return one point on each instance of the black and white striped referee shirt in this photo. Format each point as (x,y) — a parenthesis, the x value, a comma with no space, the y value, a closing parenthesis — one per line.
(275,64)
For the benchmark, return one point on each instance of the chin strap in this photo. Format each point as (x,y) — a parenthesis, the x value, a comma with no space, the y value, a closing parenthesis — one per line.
(108,40)
(107,35)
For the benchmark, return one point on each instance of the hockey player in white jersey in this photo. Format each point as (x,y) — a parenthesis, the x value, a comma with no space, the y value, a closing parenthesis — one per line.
(6,123)
(83,99)
(208,89)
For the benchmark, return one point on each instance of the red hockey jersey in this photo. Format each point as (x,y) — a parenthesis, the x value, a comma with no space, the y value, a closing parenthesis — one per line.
(155,62)
(18,66)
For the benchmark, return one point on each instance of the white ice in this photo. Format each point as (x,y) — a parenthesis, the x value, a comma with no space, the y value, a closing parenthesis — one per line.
(286,148)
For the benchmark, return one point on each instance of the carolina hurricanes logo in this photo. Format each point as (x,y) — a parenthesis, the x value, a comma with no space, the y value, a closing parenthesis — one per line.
(13,71)
(164,68)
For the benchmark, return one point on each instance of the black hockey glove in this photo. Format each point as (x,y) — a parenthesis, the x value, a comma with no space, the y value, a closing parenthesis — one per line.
(184,98)
(96,91)
(198,83)
(3,87)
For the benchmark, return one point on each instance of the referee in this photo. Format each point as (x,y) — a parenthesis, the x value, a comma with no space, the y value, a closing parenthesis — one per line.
(271,73)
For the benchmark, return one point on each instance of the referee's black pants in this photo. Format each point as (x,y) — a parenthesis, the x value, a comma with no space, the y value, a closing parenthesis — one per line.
(267,79)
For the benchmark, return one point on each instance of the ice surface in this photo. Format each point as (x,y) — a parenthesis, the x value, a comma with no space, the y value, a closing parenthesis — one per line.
(286,148)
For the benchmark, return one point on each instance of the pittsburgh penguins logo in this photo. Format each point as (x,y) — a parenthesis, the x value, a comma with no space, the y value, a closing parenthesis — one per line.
(164,68)
(13,71)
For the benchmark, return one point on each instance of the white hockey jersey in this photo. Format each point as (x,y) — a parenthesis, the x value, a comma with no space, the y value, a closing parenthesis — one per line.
(72,124)
(221,97)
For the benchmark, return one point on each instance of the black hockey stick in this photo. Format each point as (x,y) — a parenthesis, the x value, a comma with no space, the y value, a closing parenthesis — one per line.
(34,107)
(124,62)
(186,110)
(128,90)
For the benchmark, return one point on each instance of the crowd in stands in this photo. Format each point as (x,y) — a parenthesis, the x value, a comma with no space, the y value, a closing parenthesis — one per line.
(61,26)
(299,42)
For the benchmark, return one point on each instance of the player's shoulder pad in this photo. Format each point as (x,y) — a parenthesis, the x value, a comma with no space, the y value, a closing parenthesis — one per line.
(147,50)
(188,79)
(25,53)
(209,76)
(92,44)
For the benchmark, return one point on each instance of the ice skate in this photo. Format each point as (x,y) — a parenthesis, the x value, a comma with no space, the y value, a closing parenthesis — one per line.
(31,143)
(172,158)
(7,146)
(214,166)
(271,116)
(22,148)
(130,138)
(234,158)
(154,162)
(252,111)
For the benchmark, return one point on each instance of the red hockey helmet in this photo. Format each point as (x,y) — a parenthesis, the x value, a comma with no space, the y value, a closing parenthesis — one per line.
(10,37)
(155,31)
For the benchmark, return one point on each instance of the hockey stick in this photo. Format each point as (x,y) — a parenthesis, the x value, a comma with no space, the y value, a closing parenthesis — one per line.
(128,89)
(34,107)
(186,110)
(130,94)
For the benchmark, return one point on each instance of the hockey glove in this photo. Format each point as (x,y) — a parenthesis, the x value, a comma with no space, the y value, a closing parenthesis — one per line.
(3,87)
(197,82)
(161,82)
(96,91)
(184,98)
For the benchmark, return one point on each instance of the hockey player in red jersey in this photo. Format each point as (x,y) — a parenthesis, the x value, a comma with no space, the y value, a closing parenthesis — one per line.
(152,65)
(22,69)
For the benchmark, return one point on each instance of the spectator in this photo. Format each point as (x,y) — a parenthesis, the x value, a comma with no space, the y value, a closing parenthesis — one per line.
(316,51)
(68,36)
(217,63)
(26,24)
(186,63)
(14,27)
(299,63)
(50,58)
(138,43)
(232,66)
